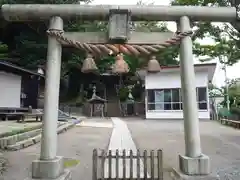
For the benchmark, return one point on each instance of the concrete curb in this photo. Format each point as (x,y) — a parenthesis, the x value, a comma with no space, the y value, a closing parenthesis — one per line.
(33,140)
(10,140)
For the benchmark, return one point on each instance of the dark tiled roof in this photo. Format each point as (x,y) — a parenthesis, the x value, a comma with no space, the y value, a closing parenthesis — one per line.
(9,67)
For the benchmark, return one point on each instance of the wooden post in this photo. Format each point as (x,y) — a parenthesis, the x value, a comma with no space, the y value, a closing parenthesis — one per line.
(145,163)
(138,164)
(152,163)
(117,164)
(102,164)
(131,165)
(95,164)
(160,164)
(124,164)
(110,164)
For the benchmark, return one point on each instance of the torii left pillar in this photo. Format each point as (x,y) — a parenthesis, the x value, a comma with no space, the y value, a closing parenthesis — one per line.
(51,166)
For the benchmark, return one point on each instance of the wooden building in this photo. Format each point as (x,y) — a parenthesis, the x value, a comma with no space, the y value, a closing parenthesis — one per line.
(19,87)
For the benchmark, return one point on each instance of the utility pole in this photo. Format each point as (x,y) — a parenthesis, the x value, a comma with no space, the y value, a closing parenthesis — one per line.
(226,86)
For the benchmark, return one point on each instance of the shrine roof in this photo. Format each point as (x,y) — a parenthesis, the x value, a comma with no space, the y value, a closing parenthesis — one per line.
(209,68)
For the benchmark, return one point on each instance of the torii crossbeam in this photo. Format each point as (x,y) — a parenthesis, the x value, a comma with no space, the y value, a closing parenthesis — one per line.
(50,166)
(23,12)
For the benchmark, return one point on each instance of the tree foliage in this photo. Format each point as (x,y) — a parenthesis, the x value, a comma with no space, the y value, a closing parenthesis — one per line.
(232,89)
(28,40)
(224,35)
(3,51)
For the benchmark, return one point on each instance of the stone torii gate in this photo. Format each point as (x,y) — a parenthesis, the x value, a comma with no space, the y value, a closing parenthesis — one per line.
(49,165)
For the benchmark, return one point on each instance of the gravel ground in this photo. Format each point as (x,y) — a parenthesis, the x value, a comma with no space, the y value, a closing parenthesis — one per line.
(76,143)
(220,143)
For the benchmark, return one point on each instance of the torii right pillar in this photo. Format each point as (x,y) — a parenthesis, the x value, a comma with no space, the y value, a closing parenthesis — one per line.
(193,162)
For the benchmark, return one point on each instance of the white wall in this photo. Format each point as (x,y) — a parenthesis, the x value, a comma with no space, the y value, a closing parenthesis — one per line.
(10,89)
(172,80)
(164,80)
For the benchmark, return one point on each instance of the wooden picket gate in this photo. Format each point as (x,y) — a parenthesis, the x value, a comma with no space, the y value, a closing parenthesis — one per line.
(127,165)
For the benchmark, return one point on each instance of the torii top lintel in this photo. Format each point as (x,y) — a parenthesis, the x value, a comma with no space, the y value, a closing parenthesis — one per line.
(36,12)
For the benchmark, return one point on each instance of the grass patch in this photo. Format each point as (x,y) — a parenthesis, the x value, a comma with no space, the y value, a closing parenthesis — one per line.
(70,163)
(23,130)
(19,131)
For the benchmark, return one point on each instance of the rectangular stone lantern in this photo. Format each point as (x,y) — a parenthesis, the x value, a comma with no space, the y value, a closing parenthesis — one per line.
(119,25)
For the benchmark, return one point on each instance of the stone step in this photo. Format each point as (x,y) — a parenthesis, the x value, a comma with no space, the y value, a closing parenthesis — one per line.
(24,143)
(37,138)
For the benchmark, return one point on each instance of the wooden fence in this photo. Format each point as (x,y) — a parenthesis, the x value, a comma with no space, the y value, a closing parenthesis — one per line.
(127,165)
(228,122)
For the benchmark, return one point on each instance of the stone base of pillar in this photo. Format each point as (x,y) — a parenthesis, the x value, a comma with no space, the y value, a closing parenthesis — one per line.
(50,169)
(194,166)
(65,176)
(176,174)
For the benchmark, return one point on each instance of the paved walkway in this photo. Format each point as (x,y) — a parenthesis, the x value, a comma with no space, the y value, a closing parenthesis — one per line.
(98,124)
(121,139)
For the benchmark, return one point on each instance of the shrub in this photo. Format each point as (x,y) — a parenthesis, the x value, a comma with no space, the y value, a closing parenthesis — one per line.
(123,94)
(235,111)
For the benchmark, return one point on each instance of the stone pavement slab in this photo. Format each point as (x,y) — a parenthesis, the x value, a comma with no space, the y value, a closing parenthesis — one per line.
(121,139)
(220,143)
(96,122)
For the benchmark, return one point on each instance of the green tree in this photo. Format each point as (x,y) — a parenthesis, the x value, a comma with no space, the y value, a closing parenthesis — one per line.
(166,56)
(226,38)
(28,40)
(3,51)
(233,92)
(215,91)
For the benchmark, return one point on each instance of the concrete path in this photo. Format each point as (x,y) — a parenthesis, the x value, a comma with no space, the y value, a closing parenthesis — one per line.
(121,139)
(98,124)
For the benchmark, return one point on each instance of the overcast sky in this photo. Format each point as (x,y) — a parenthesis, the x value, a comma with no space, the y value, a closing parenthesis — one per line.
(232,72)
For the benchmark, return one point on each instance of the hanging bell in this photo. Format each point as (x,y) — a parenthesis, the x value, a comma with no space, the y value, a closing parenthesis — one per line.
(120,66)
(153,65)
(89,65)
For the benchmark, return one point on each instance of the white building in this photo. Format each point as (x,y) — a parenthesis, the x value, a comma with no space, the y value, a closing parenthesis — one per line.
(14,82)
(163,96)
(10,90)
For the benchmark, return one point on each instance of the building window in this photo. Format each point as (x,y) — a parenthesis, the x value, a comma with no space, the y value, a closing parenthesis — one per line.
(202,98)
(171,99)
(164,99)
